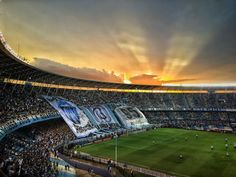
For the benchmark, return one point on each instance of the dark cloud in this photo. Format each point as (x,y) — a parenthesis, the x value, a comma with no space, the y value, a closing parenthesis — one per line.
(81,73)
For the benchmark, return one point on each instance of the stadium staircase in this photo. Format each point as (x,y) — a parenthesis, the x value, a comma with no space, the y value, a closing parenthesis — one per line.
(62,172)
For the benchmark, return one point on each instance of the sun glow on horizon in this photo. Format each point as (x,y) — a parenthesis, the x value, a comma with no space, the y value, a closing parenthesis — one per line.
(126,79)
(166,78)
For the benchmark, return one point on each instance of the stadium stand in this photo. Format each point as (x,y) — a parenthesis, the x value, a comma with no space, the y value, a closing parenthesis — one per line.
(201,110)
(27,152)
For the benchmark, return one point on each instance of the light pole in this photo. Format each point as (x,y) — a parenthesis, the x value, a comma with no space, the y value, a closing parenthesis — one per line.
(116,148)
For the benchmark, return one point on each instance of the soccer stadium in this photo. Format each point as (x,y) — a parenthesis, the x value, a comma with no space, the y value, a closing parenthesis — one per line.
(55,124)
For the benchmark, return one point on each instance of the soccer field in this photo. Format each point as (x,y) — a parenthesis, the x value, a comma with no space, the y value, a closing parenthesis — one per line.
(160,150)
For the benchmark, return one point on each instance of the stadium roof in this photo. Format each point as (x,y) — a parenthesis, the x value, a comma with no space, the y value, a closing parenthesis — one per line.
(14,67)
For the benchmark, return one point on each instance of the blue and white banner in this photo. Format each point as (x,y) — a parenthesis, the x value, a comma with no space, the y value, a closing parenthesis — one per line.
(131,117)
(101,115)
(75,118)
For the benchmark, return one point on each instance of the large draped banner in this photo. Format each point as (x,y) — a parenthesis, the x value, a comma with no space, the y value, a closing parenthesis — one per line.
(75,118)
(131,117)
(102,115)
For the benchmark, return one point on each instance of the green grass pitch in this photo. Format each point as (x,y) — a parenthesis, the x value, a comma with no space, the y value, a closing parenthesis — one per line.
(160,150)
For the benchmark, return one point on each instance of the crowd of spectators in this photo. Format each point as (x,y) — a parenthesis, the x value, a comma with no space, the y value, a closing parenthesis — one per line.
(18,103)
(26,153)
(191,120)
(172,110)
(21,100)
(154,100)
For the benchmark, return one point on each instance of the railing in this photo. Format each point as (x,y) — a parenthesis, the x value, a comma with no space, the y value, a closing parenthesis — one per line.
(145,171)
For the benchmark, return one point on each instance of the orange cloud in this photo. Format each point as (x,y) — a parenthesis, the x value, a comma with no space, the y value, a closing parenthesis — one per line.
(153,79)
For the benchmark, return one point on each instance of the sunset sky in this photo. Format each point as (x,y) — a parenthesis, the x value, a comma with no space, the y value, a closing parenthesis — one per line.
(139,41)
